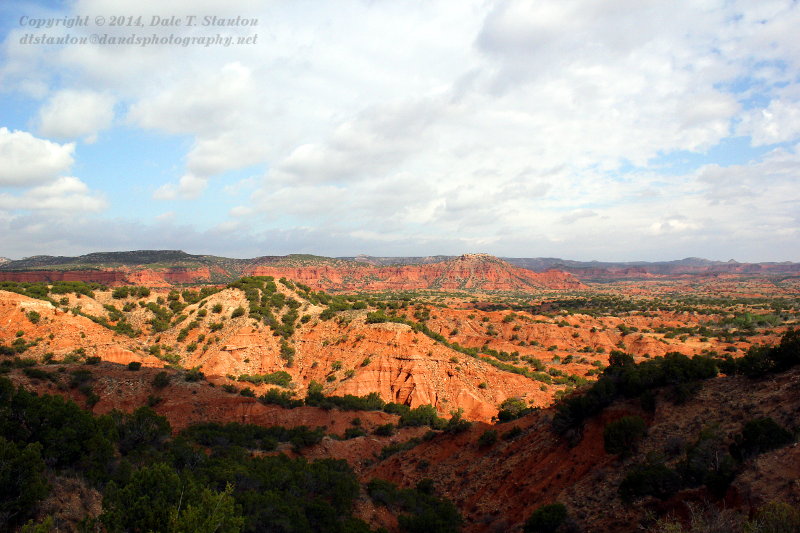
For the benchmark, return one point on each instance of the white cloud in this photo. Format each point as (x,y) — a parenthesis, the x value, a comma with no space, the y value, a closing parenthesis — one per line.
(770,181)
(26,160)
(199,104)
(223,111)
(188,188)
(673,224)
(69,114)
(577,215)
(34,165)
(510,124)
(778,122)
(64,194)
(241,211)
(365,146)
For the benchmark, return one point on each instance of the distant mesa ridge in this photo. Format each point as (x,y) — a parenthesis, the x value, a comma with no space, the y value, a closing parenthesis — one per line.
(167,267)
(473,271)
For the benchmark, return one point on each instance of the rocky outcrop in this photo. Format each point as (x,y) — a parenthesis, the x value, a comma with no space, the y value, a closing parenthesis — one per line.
(107,277)
(113,277)
(58,332)
(477,272)
(468,272)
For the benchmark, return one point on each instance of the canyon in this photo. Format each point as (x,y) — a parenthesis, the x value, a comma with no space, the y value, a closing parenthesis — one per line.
(471,336)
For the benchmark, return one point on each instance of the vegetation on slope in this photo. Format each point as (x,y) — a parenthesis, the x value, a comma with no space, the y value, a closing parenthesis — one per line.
(204,479)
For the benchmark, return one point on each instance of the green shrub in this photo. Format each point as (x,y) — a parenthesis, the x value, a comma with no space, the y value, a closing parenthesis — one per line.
(278,397)
(708,462)
(280,378)
(762,360)
(654,479)
(34,317)
(385,430)
(546,519)
(134,365)
(194,374)
(36,373)
(419,510)
(161,380)
(353,432)
(120,293)
(457,424)
(424,415)
(488,438)
(69,436)
(152,400)
(624,378)
(512,433)
(775,517)
(759,436)
(622,436)
(513,408)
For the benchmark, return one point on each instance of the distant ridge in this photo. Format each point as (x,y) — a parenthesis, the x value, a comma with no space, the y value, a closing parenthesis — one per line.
(591,270)
(346,273)
(476,272)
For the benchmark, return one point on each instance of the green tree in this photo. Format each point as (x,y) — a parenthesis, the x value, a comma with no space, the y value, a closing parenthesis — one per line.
(22,482)
(141,430)
(212,512)
(145,503)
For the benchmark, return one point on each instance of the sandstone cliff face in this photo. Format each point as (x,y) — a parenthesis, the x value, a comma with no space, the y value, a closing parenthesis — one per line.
(349,356)
(468,272)
(59,332)
(186,403)
(108,277)
(122,276)
(401,365)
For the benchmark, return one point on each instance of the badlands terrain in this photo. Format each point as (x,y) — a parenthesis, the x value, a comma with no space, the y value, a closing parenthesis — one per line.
(489,383)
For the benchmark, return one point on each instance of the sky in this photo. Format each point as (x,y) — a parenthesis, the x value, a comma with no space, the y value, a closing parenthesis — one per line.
(618,130)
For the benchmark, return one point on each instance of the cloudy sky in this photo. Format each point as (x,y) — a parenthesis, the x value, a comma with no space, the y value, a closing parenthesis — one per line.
(613,130)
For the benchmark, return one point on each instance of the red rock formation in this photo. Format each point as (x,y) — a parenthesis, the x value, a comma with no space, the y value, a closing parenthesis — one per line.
(127,276)
(108,277)
(468,272)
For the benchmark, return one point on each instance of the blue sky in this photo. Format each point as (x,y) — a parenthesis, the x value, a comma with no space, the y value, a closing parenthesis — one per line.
(611,131)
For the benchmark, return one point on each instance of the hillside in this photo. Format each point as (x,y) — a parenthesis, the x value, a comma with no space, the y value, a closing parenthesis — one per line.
(682,268)
(718,449)
(471,272)
(499,485)
(404,388)
(168,267)
(449,353)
